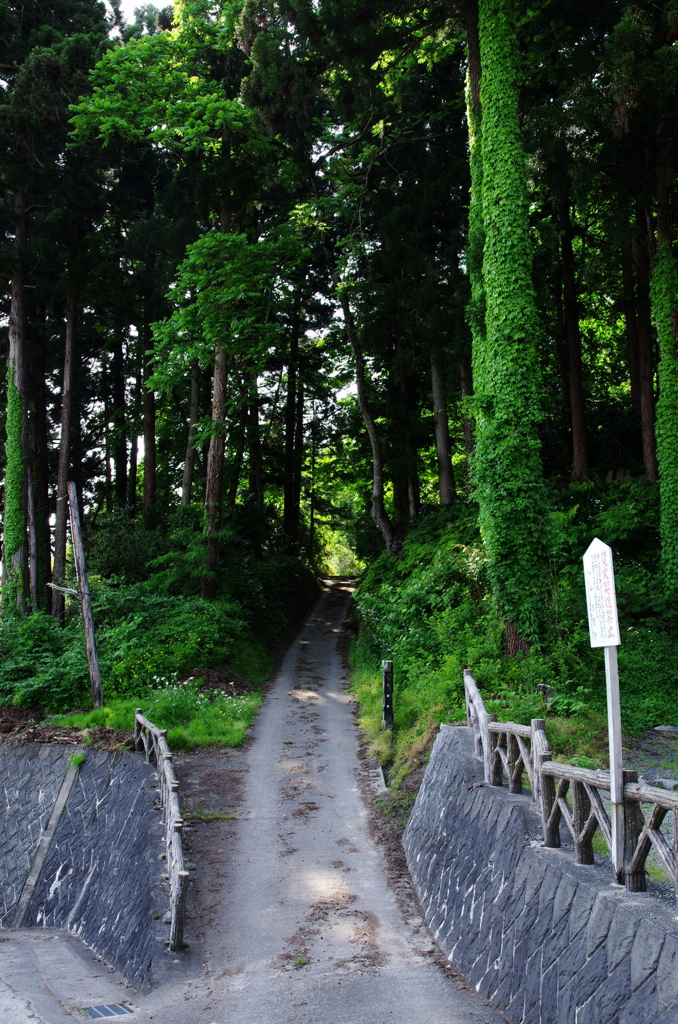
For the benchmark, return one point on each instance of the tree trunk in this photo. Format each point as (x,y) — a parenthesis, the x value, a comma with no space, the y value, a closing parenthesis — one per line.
(256,461)
(406,429)
(189,464)
(41,474)
(16,474)
(290,509)
(119,424)
(133,429)
(391,536)
(299,451)
(646,361)
(442,430)
(148,408)
(63,471)
(236,463)
(631,320)
(580,469)
(215,472)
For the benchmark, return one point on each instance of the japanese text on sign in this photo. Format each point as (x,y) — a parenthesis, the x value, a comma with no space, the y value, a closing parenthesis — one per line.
(601,598)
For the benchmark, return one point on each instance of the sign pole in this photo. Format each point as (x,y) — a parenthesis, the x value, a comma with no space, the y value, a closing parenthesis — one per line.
(601,602)
(614,732)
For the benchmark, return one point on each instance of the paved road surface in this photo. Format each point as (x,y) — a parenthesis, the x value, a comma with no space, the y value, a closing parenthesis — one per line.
(299,923)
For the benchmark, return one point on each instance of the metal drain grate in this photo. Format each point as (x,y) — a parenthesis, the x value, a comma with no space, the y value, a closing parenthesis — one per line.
(114,1010)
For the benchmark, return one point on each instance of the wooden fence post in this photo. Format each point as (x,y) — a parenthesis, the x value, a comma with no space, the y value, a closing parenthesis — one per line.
(489,742)
(633,825)
(541,751)
(496,770)
(85,601)
(138,743)
(581,808)
(387,684)
(548,801)
(515,780)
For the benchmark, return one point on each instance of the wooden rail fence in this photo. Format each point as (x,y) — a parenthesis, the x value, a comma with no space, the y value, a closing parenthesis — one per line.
(153,742)
(565,793)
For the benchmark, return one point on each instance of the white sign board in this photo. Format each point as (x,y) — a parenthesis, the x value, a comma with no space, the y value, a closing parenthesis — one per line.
(601,598)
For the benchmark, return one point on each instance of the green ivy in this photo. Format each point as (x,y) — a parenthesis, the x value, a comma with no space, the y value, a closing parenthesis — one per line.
(507,466)
(475,311)
(664,298)
(15,514)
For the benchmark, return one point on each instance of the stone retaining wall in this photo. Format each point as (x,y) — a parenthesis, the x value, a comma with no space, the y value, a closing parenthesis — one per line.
(103,876)
(30,779)
(545,940)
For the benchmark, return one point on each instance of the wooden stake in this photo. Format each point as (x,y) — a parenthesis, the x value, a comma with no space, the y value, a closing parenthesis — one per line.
(85,601)
(387,678)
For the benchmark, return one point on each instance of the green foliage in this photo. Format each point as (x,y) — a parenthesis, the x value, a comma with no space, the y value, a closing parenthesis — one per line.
(430,610)
(142,636)
(151,624)
(192,718)
(222,296)
(149,90)
(40,662)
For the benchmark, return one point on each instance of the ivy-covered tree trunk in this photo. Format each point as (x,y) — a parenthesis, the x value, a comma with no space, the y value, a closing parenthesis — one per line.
(15,538)
(665,310)
(507,466)
(664,298)
(475,312)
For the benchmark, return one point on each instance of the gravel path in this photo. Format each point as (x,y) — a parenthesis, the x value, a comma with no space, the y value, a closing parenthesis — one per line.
(293,917)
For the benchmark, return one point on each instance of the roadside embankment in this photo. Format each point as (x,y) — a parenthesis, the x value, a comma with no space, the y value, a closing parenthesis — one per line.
(84,857)
(543,939)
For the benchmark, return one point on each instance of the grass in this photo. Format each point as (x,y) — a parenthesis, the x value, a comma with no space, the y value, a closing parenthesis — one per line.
(192,718)
(76,761)
(208,814)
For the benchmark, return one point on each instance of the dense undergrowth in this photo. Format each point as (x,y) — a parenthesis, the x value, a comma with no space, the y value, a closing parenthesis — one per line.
(154,630)
(430,610)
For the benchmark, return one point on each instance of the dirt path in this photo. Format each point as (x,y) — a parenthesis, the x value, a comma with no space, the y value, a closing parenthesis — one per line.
(292,917)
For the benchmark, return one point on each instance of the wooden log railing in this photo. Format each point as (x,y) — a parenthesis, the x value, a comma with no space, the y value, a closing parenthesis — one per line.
(583,816)
(153,742)
(565,793)
(506,748)
(642,833)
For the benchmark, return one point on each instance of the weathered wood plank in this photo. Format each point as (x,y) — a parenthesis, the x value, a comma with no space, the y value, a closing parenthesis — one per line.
(651,795)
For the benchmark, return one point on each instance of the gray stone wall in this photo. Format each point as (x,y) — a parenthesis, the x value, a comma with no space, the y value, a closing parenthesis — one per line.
(545,940)
(30,779)
(102,878)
